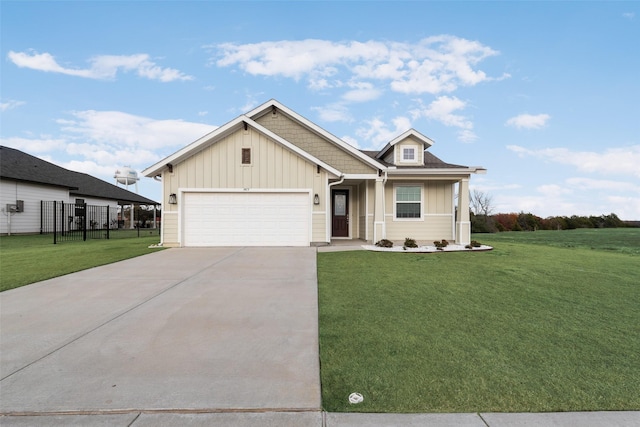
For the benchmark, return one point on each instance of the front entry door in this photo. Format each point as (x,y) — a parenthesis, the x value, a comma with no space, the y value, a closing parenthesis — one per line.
(340,213)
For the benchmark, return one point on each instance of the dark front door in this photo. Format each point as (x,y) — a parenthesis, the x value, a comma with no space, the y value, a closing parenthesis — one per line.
(340,213)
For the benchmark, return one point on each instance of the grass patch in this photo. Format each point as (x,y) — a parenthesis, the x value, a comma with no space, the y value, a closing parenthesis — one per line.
(529,326)
(29,259)
(621,240)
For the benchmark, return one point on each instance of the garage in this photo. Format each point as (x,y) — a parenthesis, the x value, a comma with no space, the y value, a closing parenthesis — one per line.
(246,218)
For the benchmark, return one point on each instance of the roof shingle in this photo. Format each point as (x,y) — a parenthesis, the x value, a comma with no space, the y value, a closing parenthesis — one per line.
(19,166)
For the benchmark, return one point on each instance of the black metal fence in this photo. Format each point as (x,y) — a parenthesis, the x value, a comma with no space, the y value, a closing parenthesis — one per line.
(77,221)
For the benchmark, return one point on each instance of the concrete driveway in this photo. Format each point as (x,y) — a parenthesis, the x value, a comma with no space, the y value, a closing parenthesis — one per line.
(183,330)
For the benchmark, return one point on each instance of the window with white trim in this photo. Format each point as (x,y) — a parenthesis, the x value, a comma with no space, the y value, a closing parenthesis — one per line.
(408,201)
(408,154)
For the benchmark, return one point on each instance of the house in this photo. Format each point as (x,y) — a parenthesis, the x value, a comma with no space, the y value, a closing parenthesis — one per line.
(26,181)
(272,177)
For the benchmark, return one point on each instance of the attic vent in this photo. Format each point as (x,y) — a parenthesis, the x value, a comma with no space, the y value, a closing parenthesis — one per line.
(246,156)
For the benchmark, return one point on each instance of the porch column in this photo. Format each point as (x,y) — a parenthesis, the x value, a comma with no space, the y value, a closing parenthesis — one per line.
(463,225)
(379,231)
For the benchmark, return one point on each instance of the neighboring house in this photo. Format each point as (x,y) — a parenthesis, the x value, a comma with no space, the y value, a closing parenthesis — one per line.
(26,180)
(272,177)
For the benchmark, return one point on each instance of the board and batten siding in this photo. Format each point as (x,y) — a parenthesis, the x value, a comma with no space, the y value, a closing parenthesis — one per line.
(29,220)
(409,143)
(437,220)
(219,166)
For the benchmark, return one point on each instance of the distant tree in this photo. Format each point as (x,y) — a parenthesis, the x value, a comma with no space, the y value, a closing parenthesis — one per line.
(481,205)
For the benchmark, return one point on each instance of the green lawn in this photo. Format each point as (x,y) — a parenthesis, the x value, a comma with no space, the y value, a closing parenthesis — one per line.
(541,323)
(29,259)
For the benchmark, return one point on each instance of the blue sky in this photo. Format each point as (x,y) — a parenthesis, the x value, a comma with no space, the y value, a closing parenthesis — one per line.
(545,95)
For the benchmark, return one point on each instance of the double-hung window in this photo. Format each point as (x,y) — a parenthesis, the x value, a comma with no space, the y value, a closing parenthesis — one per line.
(408,201)
(408,154)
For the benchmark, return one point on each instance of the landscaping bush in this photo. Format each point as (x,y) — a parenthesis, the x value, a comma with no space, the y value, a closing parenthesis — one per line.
(473,244)
(440,245)
(410,243)
(384,243)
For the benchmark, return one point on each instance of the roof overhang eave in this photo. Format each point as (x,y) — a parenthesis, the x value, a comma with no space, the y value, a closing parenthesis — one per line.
(437,171)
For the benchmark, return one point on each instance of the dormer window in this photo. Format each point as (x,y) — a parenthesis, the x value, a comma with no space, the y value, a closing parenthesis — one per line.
(408,154)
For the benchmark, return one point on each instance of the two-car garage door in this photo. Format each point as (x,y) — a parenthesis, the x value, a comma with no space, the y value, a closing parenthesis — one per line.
(246,219)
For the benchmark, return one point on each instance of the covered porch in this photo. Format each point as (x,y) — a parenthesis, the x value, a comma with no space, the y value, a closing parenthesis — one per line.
(367,209)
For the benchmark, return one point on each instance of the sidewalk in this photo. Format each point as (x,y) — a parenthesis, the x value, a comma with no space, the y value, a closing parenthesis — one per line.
(323,419)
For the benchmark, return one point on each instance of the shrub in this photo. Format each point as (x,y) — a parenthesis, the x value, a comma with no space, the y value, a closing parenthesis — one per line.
(384,243)
(441,245)
(473,244)
(410,243)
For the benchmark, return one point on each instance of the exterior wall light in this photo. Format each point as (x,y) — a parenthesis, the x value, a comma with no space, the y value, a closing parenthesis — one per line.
(173,199)
(316,200)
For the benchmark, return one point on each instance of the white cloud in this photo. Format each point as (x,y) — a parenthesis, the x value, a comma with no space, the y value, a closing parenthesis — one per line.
(613,161)
(103,67)
(10,105)
(97,142)
(603,185)
(627,208)
(118,129)
(32,146)
(336,112)
(467,136)
(378,132)
(629,15)
(361,92)
(528,121)
(442,110)
(553,190)
(433,65)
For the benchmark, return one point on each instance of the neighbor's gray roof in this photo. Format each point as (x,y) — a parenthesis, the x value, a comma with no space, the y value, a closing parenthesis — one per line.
(430,162)
(20,166)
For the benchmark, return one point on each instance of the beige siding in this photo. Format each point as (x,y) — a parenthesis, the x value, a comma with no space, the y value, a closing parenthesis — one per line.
(312,143)
(319,227)
(437,213)
(409,143)
(433,228)
(220,166)
(438,197)
(170,229)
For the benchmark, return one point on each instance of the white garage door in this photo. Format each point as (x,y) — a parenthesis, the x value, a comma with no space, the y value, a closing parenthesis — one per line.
(246,219)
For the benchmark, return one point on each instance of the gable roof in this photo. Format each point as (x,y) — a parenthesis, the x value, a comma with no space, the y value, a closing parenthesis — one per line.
(268,106)
(223,131)
(411,133)
(19,166)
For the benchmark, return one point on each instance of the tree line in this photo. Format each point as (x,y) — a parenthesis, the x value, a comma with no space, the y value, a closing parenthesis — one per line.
(484,221)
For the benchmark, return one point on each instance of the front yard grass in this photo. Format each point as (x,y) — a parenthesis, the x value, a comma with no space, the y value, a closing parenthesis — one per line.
(526,327)
(26,259)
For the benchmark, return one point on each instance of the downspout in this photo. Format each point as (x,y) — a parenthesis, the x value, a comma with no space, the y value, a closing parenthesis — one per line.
(155,216)
(384,204)
(328,206)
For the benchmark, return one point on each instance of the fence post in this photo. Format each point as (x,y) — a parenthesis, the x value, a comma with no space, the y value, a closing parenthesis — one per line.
(63,219)
(108,222)
(84,222)
(55,223)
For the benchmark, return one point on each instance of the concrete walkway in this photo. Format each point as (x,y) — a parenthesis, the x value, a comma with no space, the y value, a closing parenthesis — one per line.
(197,337)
